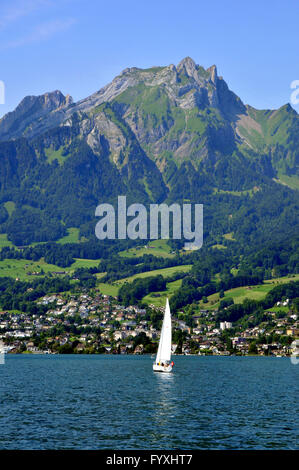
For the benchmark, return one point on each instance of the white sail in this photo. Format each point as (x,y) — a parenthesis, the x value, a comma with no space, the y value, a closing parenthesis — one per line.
(164,350)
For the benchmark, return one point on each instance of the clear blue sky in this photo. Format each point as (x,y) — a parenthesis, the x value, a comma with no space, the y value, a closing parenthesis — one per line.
(77,46)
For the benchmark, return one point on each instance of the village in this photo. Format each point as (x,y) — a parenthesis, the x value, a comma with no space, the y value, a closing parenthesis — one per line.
(90,322)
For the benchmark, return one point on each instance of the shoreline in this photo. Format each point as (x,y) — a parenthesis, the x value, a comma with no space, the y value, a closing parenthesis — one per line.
(40,353)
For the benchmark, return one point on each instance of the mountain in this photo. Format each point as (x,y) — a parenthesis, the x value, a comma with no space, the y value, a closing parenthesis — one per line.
(31,111)
(169,133)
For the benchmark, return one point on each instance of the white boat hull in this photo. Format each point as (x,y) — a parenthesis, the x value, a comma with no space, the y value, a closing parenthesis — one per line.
(158,368)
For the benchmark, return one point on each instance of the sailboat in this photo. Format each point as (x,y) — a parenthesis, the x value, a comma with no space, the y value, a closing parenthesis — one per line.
(163,359)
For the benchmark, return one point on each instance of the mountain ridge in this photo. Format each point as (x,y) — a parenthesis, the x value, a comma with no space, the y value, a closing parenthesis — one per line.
(170,133)
(186,89)
(128,78)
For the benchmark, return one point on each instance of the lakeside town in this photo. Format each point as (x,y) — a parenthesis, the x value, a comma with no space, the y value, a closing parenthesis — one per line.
(90,322)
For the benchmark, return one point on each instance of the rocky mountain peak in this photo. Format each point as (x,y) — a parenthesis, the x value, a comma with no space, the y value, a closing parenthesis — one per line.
(68,99)
(52,100)
(188,66)
(213,72)
(30,109)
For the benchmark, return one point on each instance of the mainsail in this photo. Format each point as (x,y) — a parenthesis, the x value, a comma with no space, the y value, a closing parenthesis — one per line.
(164,350)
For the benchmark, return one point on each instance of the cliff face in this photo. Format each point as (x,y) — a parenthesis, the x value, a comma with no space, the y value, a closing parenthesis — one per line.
(29,112)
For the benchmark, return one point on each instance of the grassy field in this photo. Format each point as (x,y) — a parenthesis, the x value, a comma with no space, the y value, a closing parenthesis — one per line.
(156,298)
(107,289)
(158,248)
(71,237)
(241,293)
(279,309)
(3,241)
(18,268)
(278,280)
(55,155)
(291,181)
(165,272)
(112,289)
(159,298)
(84,263)
(10,207)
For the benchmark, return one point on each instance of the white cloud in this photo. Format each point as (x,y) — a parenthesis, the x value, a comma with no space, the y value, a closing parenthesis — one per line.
(13,11)
(41,32)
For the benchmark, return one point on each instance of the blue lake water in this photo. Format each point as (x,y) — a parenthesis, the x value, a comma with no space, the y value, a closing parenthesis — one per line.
(118,402)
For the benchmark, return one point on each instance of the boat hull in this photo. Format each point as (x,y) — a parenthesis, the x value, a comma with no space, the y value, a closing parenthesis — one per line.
(158,368)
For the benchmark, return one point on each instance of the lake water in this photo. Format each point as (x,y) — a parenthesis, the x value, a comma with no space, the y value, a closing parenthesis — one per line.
(118,402)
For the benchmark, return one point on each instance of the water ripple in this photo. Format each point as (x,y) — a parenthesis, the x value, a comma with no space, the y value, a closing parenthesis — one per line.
(117,402)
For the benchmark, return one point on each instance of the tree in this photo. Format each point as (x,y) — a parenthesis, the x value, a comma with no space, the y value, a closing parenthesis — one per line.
(178,337)
(226,302)
(295,305)
(66,349)
(252,348)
